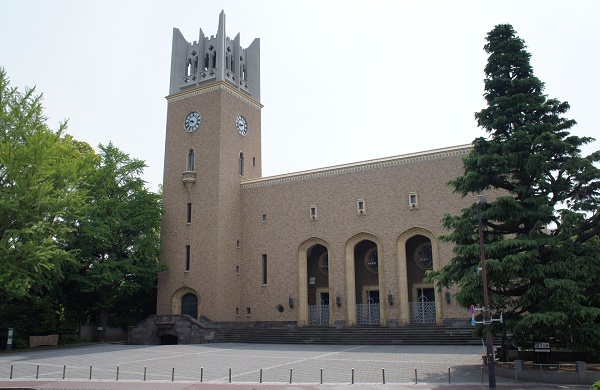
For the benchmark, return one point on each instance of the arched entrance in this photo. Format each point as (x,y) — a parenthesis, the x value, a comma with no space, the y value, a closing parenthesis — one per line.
(314,280)
(189,305)
(168,339)
(420,302)
(317,258)
(419,259)
(364,267)
(185,301)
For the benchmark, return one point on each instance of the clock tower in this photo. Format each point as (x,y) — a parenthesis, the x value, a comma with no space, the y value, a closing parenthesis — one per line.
(213,143)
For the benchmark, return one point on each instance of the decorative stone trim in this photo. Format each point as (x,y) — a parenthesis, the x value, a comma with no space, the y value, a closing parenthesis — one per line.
(213,87)
(303,319)
(369,165)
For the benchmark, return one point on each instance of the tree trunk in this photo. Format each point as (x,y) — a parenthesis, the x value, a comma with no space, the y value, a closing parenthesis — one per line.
(102,323)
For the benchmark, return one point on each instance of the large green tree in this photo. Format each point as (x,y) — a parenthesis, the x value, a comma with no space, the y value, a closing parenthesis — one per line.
(78,230)
(40,173)
(117,239)
(541,222)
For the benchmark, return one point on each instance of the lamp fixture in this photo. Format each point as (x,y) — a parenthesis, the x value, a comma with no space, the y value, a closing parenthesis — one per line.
(324,263)
(373,260)
(338,300)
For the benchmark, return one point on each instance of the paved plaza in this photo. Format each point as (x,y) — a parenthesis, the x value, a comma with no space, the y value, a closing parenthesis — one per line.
(249,366)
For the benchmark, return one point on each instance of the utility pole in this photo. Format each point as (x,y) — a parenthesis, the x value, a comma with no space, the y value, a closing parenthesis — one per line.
(486,302)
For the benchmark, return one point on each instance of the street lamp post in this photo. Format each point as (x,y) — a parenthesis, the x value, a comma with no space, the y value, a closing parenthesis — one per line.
(486,302)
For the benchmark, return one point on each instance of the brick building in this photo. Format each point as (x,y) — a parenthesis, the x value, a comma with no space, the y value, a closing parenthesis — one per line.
(339,246)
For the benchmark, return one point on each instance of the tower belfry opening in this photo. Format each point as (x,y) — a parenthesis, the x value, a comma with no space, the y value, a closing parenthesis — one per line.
(215,58)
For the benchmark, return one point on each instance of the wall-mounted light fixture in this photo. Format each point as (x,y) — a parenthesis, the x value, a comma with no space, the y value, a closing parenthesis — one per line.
(338,301)
(390,298)
(291,301)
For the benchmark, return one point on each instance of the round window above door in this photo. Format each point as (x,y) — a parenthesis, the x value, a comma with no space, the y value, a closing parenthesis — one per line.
(424,256)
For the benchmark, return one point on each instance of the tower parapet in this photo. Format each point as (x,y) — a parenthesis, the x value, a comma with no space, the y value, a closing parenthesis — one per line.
(215,58)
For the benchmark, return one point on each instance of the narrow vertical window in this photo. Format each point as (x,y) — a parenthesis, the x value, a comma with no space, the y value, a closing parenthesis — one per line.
(241,164)
(313,212)
(237,244)
(237,269)
(189,213)
(237,311)
(253,161)
(187,257)
(248,311)
(413,200)
(190,160)
(264,217)
(264,269)
(360,206)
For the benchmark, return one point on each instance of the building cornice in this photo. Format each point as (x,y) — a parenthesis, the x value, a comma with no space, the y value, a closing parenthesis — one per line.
(369,165)
(217,85)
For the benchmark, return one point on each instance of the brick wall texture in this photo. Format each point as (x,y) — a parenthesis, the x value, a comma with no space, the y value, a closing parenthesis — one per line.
(237,219)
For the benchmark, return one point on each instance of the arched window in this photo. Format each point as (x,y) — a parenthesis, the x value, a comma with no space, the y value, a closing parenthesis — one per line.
(190,160)
(241,164)
(189,305)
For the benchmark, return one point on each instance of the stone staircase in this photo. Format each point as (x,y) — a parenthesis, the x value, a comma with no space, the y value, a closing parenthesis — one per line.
(407,335)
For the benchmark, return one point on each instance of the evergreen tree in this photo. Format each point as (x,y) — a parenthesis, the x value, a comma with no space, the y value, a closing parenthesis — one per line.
(541,222)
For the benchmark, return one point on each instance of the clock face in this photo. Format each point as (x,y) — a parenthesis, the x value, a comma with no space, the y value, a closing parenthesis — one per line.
(241,125)
(192,122)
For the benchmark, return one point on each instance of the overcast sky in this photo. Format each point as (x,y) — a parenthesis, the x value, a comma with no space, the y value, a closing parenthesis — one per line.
(342,81)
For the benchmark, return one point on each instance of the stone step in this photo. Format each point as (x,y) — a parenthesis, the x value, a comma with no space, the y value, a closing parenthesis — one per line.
(358,335)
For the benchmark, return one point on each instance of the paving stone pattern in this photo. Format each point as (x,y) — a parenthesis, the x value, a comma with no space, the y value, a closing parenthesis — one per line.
(246,361)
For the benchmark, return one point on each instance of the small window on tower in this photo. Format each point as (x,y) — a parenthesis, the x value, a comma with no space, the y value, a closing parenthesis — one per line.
(248,311)
(413,200)
(187,258)
(264,217)
(360,206)
(313,212)
(264,270)
(189,213)
(190,161)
